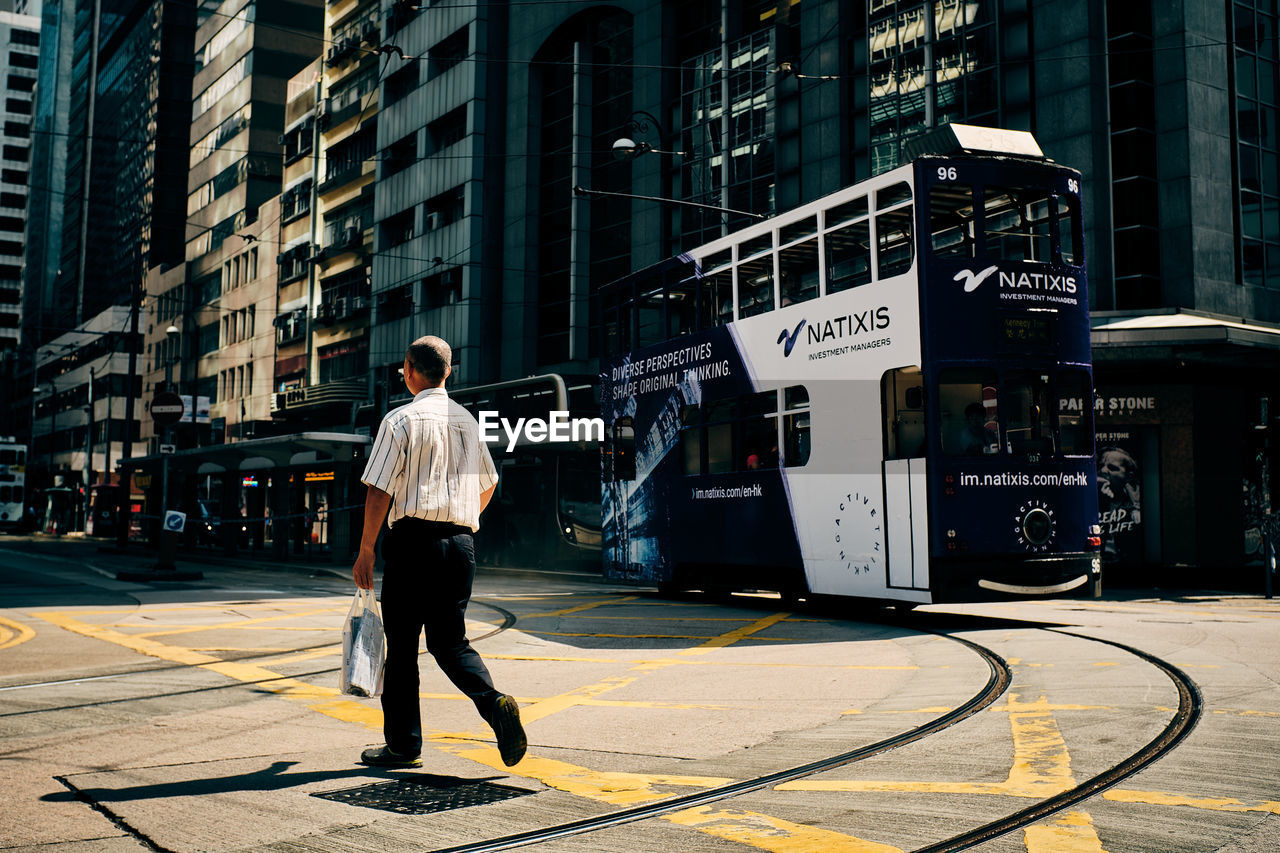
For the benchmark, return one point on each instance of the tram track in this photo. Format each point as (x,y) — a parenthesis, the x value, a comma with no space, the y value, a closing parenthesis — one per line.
(508,620)
(1190,705)
(999,678)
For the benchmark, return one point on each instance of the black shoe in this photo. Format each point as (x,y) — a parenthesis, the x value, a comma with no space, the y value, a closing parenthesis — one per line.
(382,756)
(506,725)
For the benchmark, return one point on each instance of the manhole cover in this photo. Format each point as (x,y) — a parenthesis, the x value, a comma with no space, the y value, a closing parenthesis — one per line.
(424,794)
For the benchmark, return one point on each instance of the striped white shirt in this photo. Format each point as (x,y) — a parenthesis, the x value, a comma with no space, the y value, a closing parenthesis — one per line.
(428,456)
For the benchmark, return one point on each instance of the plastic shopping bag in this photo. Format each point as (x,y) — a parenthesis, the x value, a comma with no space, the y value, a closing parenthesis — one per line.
(364,647)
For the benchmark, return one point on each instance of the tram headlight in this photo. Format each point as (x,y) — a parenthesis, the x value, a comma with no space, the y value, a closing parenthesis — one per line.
(1037,526)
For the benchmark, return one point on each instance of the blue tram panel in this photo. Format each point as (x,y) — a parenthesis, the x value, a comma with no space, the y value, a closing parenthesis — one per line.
(885,393)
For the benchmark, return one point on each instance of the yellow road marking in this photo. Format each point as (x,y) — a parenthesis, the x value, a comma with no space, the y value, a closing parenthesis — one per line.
(579,608)
(737,634)
(13,633)
(771,833)
(1041,766)
(1219,804)
(1072,832)
(650,637)
(325,700)
(615,788)
(1233,712)
(244,623)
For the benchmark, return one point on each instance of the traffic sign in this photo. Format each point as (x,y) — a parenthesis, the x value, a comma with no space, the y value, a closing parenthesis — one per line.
(174,521)
(166,408)
(168,448)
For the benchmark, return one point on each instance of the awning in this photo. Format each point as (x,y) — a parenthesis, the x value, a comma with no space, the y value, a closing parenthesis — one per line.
(257,454)
(1179,328)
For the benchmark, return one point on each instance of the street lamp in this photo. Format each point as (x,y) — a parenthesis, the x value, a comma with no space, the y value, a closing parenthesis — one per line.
(167,544)
(627,148)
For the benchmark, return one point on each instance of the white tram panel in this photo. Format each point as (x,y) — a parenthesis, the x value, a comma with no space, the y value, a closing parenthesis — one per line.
(849,543)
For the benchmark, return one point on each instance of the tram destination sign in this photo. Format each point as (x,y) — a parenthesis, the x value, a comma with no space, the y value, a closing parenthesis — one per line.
(166,408)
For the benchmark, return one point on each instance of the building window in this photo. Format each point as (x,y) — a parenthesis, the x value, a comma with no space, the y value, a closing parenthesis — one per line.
(400,84)
(346,360)
(400,155)
(730,162)
(398,229)
(447,53)
(447,130)
(445,209)
(1257,145)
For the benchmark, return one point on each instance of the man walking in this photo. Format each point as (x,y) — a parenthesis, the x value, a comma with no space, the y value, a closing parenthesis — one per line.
(430,470)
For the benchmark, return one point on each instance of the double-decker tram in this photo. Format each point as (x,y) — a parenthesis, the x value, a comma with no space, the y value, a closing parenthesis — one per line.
(13,467)
(885,394)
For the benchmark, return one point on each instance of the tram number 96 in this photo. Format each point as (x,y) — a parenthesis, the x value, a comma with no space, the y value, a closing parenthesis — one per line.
(947,173)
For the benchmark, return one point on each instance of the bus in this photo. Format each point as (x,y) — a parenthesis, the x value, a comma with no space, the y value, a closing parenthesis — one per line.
(884,394)
(546,510)
(13,477)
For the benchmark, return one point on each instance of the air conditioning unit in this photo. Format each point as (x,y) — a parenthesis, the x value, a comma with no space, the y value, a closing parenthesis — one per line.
(324,312)
(357,304)
(351,236)
(341,308)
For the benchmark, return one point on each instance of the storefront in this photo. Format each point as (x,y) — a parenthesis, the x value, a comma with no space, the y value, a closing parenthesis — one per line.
(1183,419)
(296,495)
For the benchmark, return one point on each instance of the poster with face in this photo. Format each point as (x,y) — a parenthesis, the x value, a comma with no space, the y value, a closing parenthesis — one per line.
(1120,497)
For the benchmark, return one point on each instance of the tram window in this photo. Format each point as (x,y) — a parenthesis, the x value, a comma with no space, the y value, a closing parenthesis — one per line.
(807,227)
(8,457)
(1069,228)
(799,267)
(795,427)
(903,407)
(756,245)
(848,257)
(624,449)
(649,307)
(760,440)
(755,287)
(17,494)
(855,209)
(716,261)
(6,494)
(680,308)
(951,221)
(1075,411)
(968,411)
(720,417)
(690,440)
(716,299)
(893,230)
(1016,223)
(1024,409)
(889,196)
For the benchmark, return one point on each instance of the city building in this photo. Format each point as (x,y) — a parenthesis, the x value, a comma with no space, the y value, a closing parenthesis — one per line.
(494,115)
(244,54)
(325,261)
(80,400)
(20,35)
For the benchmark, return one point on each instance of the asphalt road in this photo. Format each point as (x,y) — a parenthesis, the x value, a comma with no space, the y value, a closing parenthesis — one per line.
(205,716)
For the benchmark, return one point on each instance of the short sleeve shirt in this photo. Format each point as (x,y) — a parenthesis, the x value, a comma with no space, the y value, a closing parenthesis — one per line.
(428,456)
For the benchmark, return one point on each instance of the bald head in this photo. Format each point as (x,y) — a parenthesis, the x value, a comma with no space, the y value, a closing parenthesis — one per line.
(430,356)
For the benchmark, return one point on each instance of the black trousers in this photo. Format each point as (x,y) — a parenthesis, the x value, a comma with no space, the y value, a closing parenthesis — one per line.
(428,571)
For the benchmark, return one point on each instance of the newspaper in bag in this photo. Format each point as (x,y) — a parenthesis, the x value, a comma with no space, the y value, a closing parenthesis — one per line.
(364,648)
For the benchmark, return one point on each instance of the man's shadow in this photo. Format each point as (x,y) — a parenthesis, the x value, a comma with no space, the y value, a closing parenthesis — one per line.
(272,778)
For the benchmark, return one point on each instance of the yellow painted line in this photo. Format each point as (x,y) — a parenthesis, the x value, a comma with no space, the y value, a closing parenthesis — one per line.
(1105,663)
(1218,804)
(659,663)
(1041,765)
(737,634)
(555,704)
(13,633)
(311,655)
(1232,712)
(939,709)
(551,658)
(1072,832)
(615,788)
(771,833)
(325,700)
(244,623)
(654,637)
(579,608)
